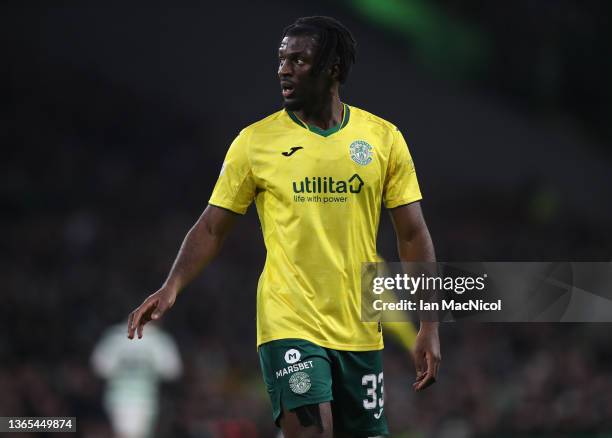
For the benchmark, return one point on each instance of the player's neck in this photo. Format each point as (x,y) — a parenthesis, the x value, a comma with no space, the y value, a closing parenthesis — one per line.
(325,114)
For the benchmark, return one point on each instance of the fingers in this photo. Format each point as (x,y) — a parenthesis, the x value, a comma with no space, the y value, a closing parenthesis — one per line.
(139,317)
(132,321)
(152,308)
(426,380)
(140,326)
(432,365)
(420,363)
(430,375)
(436,364)
(129,326)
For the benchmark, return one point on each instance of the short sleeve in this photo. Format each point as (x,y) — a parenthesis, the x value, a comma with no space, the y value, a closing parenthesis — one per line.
(401,185)
(235,189)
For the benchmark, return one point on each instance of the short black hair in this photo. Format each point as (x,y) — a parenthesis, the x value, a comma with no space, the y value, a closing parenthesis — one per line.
(335,43)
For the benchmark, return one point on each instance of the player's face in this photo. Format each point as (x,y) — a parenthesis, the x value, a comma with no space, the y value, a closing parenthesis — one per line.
(300,88)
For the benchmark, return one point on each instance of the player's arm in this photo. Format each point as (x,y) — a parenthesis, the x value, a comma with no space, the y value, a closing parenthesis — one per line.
(200,246)
(414,245)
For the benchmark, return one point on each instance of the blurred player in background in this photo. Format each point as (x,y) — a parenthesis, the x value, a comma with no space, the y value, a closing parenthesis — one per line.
(318,171)
(133,374)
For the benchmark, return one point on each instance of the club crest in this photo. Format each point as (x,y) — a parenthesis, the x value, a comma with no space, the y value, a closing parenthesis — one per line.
(299,382)
(361,152)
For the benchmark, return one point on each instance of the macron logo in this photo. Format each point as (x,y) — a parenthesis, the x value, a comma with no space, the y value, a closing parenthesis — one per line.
(292,356)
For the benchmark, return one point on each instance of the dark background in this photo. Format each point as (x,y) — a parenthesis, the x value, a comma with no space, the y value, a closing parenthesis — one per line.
(115,118)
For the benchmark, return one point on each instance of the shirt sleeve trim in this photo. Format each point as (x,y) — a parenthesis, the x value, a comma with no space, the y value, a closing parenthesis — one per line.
(401,202)
(227,206)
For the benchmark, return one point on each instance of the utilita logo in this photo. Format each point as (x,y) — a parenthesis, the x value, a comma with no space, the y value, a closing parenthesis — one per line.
(327,184)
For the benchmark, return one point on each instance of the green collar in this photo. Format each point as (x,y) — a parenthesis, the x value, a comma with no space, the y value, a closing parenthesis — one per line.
(323,132)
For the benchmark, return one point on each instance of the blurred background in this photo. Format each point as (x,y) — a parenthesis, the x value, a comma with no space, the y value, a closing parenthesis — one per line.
(116,116)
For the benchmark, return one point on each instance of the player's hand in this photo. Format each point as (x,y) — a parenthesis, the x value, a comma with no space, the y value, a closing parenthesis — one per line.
(151,309)
(426,355)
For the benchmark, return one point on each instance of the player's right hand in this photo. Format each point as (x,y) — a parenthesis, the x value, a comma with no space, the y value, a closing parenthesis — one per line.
(152,308)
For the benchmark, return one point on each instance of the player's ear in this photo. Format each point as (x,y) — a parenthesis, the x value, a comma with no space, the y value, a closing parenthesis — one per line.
(334,72)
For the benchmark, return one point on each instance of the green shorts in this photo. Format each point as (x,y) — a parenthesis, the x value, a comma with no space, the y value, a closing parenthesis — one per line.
(299,373)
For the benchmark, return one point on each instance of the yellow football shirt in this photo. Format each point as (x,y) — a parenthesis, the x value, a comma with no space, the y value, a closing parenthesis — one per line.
(318,196)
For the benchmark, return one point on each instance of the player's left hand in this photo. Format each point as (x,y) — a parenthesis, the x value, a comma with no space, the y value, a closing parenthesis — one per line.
(427,355)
